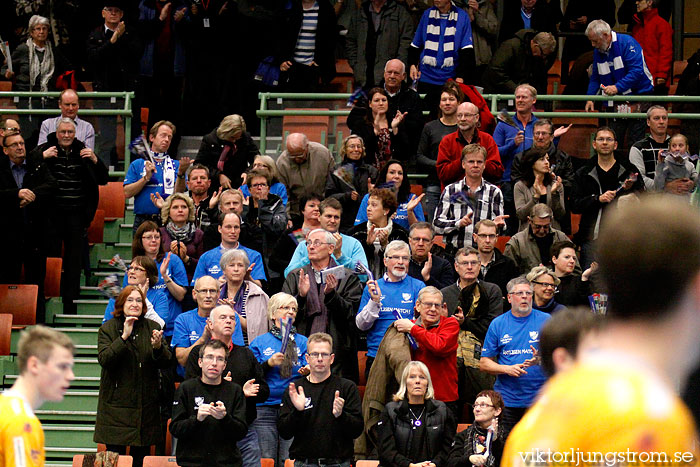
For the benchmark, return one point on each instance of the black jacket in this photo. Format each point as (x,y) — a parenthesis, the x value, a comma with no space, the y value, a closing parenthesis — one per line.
(115,66)
(396,434)
(264,226)
(545,17)
(338,189)
(501,271)
(514,64)
(38,179)
(587,189)
(463,447)
(243,366)
(93,175)
(326,37)
(442,273)
(477,325)
(128,412)
(237,162)
(342,307)
(359,233)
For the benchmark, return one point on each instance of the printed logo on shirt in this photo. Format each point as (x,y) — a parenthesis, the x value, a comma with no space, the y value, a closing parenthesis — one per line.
(534,336)
(268,352)
(193,336)
(198,400)
(506,338)
(307,404)
(214,270)
(407,298)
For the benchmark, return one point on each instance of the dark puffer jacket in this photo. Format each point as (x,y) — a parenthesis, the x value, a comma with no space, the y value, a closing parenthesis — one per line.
(396,434)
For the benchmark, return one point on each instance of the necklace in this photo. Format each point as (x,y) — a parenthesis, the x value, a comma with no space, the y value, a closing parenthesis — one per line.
(416,420)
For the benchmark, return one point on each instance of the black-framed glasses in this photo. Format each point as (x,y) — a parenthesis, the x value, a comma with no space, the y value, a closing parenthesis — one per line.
(546,285)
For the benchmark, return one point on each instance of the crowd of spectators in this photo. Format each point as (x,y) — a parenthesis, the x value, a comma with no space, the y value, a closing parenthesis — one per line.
(235,252)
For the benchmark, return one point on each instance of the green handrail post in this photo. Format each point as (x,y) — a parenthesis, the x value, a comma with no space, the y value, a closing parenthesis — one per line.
(263,122)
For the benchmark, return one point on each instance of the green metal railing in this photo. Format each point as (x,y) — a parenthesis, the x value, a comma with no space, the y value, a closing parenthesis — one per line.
(125,112)
(264,113)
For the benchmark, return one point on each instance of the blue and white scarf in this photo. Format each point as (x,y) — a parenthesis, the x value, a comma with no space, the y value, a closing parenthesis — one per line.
(168,171)
(432,39)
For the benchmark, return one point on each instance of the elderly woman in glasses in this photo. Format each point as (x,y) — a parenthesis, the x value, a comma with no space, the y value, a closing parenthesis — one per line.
(247,299)
(471,447)
(544,285)
(415,429)
(281,367)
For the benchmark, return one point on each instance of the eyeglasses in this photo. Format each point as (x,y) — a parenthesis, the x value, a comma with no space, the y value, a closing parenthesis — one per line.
(482,405)
(323,355)
(214,358)
(605,140)
(468,263)
(487,236)
(112,10)
(259,185)
(405,259)
(420,240)
(542,133)
(466,115)
(18,144)
(137,268)
(539,227)
(521,293)
(207,291)
(288,308)
(430,305)
(546,285)
(316,243)
(149,238)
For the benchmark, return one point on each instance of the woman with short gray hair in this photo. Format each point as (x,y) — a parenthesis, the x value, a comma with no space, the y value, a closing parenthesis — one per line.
(243,295)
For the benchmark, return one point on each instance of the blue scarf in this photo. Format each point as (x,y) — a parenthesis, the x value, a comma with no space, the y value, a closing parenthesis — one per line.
(432,39)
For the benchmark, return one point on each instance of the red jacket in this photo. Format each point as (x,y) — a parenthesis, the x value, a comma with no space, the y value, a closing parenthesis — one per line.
(449,161)
(437,348)
(655,36)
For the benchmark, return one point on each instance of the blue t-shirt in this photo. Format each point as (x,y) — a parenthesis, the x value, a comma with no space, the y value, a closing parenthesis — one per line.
(508,341)
(178,273)
(276,189)
(263,347)
(189,327)
(400,296)
(142,201)
(208,264)
(157,299)
(351,249)
(401,217)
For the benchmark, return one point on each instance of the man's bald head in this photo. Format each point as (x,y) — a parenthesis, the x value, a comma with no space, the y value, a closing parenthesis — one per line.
(297,147)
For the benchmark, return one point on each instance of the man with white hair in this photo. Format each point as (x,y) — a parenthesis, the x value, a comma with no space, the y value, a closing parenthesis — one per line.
(436,335)
(78,172)
(619,68)
(449,161)
(303,168)
(327,302)
(384,299)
